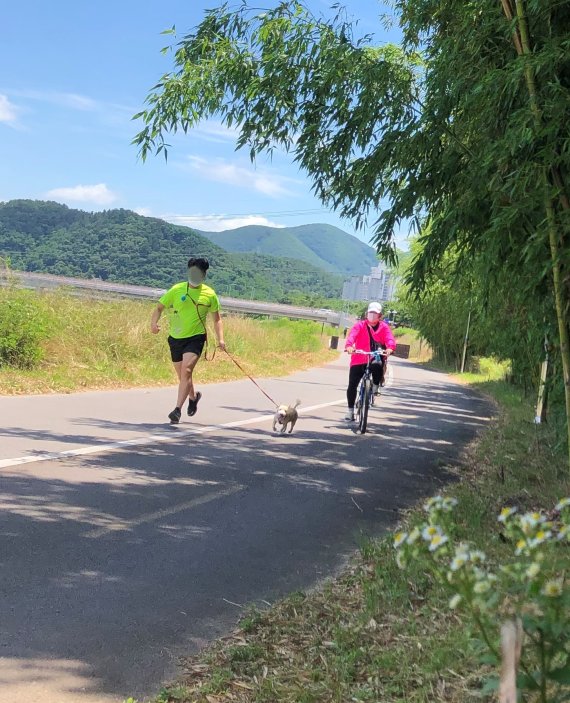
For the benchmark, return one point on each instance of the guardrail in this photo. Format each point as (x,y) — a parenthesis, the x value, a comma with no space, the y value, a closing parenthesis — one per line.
(45,281)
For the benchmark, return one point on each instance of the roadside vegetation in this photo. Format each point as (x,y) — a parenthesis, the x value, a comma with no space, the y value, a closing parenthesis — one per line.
(59,342)
(419,348)
(382,633)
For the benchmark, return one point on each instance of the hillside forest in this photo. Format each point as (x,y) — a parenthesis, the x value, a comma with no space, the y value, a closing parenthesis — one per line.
(122,246)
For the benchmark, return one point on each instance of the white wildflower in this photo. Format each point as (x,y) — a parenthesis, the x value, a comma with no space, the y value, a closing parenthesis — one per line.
(482,586)
(432,503)
(540,537)
(552,588)
(447,504)
(436,542)
(429,532)
(399,539)
(530,521)
(414,535)
(506,514)
(564,503)
(477,556)
(458,561)
(454,602)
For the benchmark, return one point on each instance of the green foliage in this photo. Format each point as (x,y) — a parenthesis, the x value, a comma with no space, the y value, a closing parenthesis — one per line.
(173,694)
(404,331)
(22,329)
(490,368)
(509,319)
(529,586)
(245,653)
(219,681)
(119,245)
(321,245)
(440,313)
(251,620)
(300,335)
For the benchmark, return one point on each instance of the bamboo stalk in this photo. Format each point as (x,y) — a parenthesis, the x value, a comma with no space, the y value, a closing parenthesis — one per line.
(511,646)
(561,309)
(507,7)
(554,236)
(557,178)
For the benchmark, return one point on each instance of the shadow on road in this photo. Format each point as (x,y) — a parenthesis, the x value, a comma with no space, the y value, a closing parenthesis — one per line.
(118,562)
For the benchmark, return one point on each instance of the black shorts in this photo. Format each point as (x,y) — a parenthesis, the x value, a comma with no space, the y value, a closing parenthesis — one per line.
(186,345)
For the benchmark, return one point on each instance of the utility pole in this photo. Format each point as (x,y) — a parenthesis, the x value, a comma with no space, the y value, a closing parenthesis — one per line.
(465,342)
(540,412)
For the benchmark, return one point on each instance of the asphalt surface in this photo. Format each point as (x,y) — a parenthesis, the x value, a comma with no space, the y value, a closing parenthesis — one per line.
(126,543)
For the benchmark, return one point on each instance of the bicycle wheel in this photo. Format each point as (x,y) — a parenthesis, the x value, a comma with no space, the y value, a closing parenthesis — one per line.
(358,402)
(366,389)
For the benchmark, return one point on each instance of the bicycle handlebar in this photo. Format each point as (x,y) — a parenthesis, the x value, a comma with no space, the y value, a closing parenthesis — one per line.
(380,352)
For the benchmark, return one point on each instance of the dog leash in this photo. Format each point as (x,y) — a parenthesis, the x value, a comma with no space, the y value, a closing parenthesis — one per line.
(231,357)
(250,378)
(205,330)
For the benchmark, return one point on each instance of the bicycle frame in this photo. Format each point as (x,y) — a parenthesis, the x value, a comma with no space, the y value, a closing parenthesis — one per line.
(365,392)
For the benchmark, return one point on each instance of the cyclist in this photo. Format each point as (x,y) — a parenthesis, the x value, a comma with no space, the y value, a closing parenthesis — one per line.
(367,335)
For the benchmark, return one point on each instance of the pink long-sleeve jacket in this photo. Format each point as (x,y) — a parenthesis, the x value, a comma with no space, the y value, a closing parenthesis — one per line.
(358,337)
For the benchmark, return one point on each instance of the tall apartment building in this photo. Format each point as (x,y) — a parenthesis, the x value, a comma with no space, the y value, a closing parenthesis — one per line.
(379,285)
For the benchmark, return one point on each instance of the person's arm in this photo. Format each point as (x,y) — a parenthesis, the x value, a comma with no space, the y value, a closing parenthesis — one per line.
(350,339)
(388,338)
(219,330)
(156,313)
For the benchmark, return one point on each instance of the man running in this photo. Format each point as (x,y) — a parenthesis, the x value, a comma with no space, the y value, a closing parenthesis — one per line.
(189,303)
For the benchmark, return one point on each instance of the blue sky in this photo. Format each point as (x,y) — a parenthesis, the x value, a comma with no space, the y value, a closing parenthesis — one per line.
(74,73)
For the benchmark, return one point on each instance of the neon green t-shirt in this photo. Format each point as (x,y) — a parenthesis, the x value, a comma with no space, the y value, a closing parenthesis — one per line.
(188,308)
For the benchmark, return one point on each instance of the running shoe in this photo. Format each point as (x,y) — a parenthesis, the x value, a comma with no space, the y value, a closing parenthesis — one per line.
(193,404)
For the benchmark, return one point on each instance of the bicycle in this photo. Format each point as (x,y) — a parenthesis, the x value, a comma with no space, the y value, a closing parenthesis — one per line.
(365,392)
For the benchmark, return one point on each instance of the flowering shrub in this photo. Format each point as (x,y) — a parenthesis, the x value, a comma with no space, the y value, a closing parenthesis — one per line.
(531,586)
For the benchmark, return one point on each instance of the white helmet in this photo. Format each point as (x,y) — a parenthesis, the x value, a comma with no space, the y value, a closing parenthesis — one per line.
(375,307)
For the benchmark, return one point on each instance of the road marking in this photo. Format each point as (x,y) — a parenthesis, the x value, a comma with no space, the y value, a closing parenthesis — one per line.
(124,525)
(148,439)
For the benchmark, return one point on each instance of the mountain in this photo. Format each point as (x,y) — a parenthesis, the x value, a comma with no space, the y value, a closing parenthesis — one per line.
(119,245)
(324,246)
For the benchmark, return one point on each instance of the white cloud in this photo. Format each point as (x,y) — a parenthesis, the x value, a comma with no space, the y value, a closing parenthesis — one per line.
(218,223)
(223,171)
(98,194)
(8,111)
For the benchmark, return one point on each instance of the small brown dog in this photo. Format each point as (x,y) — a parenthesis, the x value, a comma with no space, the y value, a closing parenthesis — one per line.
(286,415)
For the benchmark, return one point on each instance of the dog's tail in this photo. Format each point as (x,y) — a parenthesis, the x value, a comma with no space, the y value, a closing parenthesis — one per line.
(296,404)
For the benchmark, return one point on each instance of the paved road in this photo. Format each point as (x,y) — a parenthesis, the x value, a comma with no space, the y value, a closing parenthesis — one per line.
(124,542)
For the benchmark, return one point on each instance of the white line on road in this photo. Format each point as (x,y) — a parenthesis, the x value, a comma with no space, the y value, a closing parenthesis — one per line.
(123,525)
(145,440)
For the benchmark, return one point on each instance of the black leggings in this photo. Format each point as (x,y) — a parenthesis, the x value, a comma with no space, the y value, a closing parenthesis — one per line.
(355,375)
